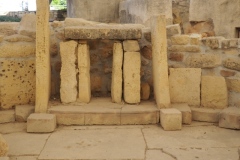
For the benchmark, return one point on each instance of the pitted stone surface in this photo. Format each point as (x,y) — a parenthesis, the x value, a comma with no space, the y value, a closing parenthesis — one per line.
(205,114)
(230,118)
(7,116)
(185,110)
(3,147)
(171,119)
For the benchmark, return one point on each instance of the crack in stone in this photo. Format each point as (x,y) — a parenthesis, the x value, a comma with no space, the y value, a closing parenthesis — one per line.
(146,147)
(45,143)
(171,155)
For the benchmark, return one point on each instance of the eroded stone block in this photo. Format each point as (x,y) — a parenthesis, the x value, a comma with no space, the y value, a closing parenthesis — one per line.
(233,84)
(22,112)
(185,110)
(205,114)
(8,28)
(7,116)
(232,63)
(131,46)
(180,39)
(41,123)
(171,119)
(131,76)
(213,42)
(3,147)
(174,29)
(203,60)
(68,91)
(214,93)
(230,118)
(28,25)
(184,48)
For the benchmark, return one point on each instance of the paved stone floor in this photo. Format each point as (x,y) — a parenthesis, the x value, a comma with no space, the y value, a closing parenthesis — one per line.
(199,141)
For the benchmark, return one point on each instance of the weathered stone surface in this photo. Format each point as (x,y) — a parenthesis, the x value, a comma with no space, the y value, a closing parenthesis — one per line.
(171,119)
(214,93)
(22,112)
(234,43)
(232,63)
(213,42)
(157,155)
(8,28)
(233,99)
(180,39)
(84,84)
(116,85)
(195,39)
(145,91)
(185,85)
(3,147)
(17,82)
(176,56)
(230,118)
(203,60)
(160,64)
(205,114)
(227,73)
(41,123)
(233,84)
(105,31)
(7,116)
(172,30)
(146,52)
(225,43)
(131,77)
(43,67)
(68,91)
(28,25)
(18,38)
(4,158)
(185,110)
(1,38)
(184,48)
(17,49)
(131,46)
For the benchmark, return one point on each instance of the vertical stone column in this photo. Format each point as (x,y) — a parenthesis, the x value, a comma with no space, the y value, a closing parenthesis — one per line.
(84,73)
(68,90)
(116,88)
(43,69)
(160,65)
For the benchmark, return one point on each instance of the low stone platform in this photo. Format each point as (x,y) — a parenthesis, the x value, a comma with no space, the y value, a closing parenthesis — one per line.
(101,111)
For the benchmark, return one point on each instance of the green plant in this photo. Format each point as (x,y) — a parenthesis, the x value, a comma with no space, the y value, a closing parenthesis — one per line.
(9,19)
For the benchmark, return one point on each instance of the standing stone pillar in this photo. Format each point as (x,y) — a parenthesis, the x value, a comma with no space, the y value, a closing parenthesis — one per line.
(84,73)
(116,86)
(160,65)
(43,69)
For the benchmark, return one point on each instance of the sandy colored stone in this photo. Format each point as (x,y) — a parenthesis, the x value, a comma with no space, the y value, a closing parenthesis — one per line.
(185,85)
(18,38)
(157,155)
(145,91)
(17,49)
(68,90)
(146,52)
(7,116)
(160,64)
(4,158)
(203,60)
(174,29)
(232,63)
(17,82)
(102,118)
(233,84)
(195,39)
(171,119)
(185,110)
(227,73)
(3,147)
(214,93)
(212,42)
(180,39)
(8,28)
(41,123)
(230,118)
(131,46)
(205,114)
(43,69)
(22,112)
(116,85)
(28,25)
(84,84)
(184,48)
(176,56)
(234,43)
(225,43)
(131,77)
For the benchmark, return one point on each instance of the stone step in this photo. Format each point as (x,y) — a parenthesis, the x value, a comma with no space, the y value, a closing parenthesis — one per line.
(230,118)
(101,111)
(205,114)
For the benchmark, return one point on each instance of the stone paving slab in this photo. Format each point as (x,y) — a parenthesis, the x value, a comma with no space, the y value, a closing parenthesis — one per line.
(95,144)
(12,127)
(158,155)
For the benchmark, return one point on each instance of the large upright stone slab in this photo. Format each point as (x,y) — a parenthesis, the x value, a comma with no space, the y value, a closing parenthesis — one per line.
(43,69)
(84,94)
(214,93)
(116,88)
(68,90)
(160,65)
(185,85)
(131,74)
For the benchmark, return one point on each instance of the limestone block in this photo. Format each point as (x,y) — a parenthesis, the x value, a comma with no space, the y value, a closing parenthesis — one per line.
(160,64)
(214,93)
(205,114)
(28,25)
(17,49)
(185,110)
(7,116)
(17,82)
(131,77)
(171,119)
(203,60)
(131,46)
(68,90)
(185,85)
(180,39)
(8,28)
(102,118)
(225,43)
(195,39)
(18,38)
(234,43)
(230,118)
(172,30)
(176,56)
(22,112)
(84,83)
(213,42)
(232,63)
(1,38)
(184,48)
(116,85)
(43,67)
(233,84)
(4,158)
(227,73)
(145,91)
(146,52)
(3,147)
(41,123)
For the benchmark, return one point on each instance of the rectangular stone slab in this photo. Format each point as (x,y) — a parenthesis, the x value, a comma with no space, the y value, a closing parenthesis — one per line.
(104,31)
